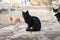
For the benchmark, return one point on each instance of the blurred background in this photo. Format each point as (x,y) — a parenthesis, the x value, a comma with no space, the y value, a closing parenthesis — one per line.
(14,7)
(35,7)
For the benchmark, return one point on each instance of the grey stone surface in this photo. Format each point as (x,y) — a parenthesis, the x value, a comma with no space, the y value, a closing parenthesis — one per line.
(17,32)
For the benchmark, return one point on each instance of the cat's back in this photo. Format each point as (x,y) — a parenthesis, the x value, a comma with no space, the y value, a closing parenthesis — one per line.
(36,19)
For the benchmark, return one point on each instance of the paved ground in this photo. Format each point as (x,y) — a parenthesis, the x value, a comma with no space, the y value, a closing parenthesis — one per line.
(50,31)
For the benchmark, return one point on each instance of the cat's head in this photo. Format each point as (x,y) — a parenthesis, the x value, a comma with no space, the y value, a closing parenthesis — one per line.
(25,12)
(55,10)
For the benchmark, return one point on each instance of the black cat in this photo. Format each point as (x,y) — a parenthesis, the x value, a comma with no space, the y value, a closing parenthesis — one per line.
(33,22)
(57,13)
(58,16)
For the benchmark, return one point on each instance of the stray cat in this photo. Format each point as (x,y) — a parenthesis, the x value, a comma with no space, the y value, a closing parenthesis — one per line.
(33,22)
(57,11)
(14,19)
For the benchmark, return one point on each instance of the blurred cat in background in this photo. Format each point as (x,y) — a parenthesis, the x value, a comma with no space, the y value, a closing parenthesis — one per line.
(57,11)
(14,19)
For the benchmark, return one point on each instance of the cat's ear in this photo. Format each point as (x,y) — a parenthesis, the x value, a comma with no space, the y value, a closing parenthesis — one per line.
(27,11)
(22,12)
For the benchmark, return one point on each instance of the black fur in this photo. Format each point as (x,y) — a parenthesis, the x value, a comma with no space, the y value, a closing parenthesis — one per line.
(55,10)
(57,13)
(58,16)
(32,21)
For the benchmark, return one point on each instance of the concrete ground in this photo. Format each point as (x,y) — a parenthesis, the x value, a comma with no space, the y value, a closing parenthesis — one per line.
(50,31)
